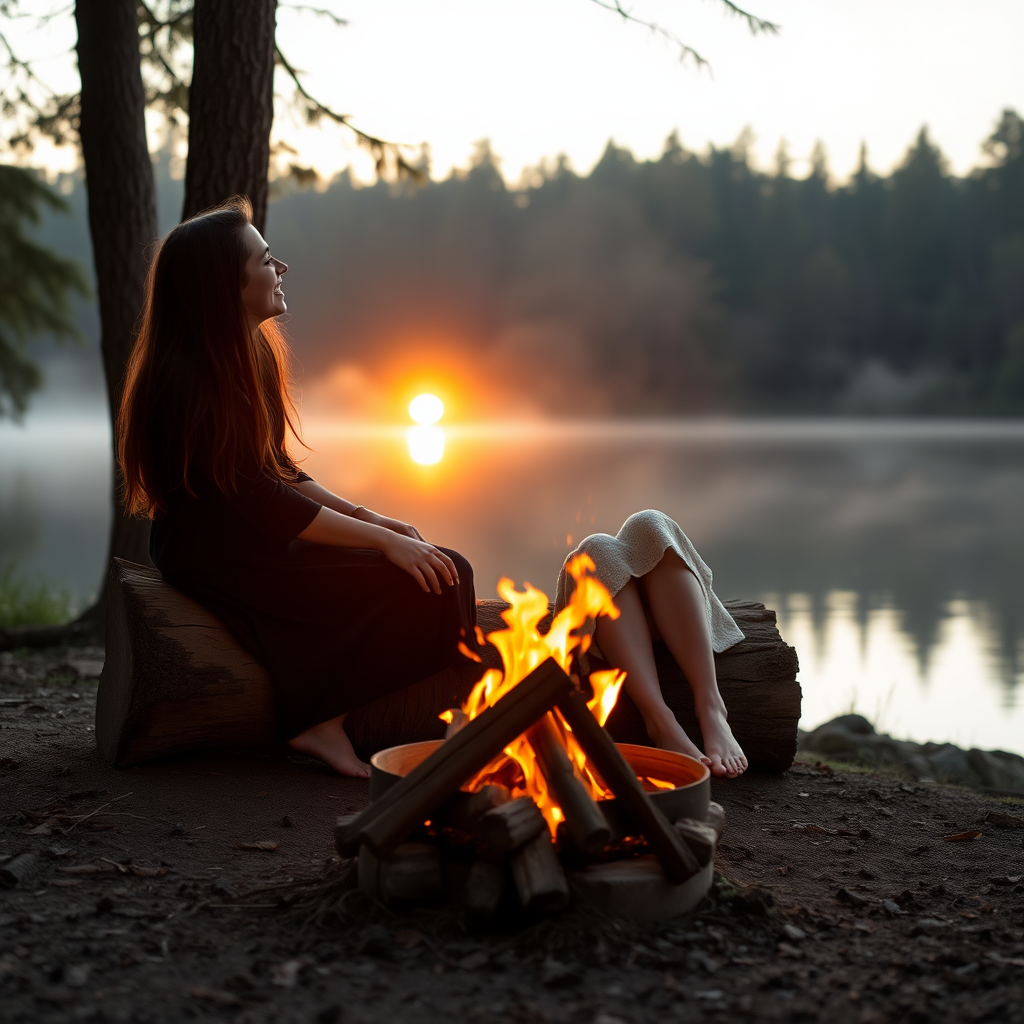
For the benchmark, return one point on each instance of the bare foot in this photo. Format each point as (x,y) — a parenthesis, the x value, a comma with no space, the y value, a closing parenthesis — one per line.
(329,743)
(725,756)
(668,734)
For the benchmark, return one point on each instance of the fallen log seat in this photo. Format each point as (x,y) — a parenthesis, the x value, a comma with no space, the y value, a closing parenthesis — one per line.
(176,680)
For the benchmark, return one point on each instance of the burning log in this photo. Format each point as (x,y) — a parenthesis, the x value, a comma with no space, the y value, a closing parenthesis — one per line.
(463,811)
(584,821)
(387,821)
(540,880)
(674,856)
(509,826)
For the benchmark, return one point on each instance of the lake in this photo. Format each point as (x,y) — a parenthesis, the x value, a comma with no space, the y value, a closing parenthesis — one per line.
(891,550)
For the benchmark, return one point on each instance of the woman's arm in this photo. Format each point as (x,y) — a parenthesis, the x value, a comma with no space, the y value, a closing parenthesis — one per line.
(425,563)
(332,501)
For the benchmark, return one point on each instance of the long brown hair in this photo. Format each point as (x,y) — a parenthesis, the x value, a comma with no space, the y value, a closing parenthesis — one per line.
(206,397)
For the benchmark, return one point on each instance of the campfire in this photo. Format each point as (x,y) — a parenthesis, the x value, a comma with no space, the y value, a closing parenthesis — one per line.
(528,798)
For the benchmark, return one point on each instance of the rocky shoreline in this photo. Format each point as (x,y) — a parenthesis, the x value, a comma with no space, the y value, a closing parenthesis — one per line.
(852,738)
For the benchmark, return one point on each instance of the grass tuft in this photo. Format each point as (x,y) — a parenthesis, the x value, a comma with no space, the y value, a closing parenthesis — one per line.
(40,602)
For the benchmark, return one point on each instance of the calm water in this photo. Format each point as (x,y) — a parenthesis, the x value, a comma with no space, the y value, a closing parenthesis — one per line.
(892,551)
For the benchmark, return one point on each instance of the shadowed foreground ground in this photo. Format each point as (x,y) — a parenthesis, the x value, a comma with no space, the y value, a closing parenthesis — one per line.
(843,902)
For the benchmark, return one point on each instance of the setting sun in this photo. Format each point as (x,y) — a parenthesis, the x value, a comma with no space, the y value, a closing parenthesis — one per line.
(426,409)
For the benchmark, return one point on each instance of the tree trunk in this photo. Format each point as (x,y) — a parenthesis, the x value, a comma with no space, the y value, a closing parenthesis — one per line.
(122,213)
(231,104)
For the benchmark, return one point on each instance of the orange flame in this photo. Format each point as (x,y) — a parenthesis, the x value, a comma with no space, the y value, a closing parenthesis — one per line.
(523,648)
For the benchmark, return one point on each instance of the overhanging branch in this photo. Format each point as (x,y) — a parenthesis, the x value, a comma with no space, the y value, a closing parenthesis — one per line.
(380,149)
(757,25)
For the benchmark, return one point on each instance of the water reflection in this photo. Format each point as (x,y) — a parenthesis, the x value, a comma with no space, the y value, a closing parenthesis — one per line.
(893,552)
(426,444)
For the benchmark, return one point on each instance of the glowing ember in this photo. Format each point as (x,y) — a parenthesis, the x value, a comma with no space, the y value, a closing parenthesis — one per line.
(522,649)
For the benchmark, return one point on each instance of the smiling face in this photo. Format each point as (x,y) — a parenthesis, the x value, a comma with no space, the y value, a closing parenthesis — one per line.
(262,295)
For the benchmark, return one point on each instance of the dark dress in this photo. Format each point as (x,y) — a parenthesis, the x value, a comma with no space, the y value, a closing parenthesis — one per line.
(335,627)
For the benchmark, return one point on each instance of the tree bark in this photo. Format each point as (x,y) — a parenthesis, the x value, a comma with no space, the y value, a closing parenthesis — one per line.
(231,104)
(122,214)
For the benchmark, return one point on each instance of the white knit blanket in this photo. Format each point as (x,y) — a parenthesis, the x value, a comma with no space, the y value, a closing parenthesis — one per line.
(633,552)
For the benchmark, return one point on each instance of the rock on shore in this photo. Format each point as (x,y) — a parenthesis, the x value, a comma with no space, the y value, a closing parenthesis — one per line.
(853,738)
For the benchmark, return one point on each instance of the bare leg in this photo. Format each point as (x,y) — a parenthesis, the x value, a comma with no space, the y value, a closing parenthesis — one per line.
(329,742)
(676,603)
(626,644)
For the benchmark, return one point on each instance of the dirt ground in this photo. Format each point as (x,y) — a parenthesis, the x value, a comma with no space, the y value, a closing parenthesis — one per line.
(841,898)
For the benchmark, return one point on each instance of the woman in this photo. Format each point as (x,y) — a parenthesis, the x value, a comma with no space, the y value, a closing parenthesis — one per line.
(340,604)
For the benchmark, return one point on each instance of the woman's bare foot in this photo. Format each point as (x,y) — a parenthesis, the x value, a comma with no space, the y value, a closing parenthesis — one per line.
(725,756)
(329,743)
(667,734)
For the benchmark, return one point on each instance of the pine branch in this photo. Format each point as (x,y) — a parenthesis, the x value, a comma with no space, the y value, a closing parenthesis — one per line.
(319,11)
(757,25)
(381,150)
(754,23)
(54,116)
(685,51)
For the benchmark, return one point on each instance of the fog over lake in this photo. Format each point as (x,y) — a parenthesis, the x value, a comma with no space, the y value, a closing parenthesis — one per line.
(892,550)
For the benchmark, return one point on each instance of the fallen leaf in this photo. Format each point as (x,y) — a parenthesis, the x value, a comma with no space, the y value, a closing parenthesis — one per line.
(86,869)
(267,845)
(1004,820)
(960,837)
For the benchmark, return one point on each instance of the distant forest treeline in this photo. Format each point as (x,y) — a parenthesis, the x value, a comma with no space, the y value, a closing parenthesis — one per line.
(687,284)
(683,284)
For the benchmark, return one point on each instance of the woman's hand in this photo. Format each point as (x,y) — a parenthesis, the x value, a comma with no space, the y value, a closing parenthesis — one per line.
(425,563)
(394,525)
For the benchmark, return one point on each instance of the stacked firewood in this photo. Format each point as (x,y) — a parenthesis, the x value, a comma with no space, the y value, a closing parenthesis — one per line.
(425,839)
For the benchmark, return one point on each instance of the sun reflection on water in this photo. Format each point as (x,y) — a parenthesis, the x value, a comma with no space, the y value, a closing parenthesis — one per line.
(426,439)
(426,444)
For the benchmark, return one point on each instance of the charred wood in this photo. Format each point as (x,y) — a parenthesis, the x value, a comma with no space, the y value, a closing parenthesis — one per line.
(411,873)
(508,827)
(540,880)
(674,856)
(389,820)
(583,818)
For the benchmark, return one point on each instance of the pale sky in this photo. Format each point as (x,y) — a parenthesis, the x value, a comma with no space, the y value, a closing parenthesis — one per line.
(540,77)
